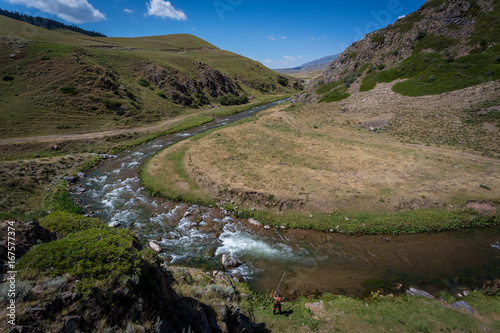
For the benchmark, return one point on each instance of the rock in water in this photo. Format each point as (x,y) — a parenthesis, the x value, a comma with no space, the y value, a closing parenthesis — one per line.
(114,224)
(155,246)
(230,262)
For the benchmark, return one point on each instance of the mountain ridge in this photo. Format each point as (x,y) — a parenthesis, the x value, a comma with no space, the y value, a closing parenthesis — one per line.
(312,66)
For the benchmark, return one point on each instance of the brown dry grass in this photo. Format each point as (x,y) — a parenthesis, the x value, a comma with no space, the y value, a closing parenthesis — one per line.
(312,157)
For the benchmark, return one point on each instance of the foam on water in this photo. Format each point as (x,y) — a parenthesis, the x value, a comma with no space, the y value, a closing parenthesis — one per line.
(245,244)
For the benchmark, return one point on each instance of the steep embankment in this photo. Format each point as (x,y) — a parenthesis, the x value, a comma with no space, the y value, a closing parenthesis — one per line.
(62,82)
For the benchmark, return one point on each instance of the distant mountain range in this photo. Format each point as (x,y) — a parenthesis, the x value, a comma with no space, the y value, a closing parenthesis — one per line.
(318,65)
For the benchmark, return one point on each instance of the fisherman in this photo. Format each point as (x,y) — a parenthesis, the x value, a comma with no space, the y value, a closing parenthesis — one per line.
(277,302)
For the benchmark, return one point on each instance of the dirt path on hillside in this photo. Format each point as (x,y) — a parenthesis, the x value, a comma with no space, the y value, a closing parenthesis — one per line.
(83,136)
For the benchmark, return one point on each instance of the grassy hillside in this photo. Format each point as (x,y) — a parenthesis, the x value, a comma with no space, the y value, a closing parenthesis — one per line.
(62,82)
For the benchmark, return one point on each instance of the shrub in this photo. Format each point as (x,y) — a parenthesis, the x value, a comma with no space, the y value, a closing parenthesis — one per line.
(8,78)
(162,95)
(432,78)
(233,100)
(378,38)
(66,223)
(69,90)
(130,95)
(283,81)
(112,104)
(91,255)
(144,82)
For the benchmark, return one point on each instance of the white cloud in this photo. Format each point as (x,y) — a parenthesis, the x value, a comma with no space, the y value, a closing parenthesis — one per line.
(277,38)
(164,9)
(401,16)
(268,61)
(287,60)
(130,11)
(318,38)
(73,11)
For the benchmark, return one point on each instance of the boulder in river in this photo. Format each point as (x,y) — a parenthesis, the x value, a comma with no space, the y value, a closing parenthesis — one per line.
(230,262)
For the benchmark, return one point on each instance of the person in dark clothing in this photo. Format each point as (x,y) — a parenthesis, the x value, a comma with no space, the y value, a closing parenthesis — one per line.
(277,302)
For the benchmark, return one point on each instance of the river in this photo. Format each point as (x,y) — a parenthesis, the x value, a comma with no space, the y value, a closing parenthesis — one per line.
(309,262)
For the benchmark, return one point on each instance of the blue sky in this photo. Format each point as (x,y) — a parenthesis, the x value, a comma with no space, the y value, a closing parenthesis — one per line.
(277,33)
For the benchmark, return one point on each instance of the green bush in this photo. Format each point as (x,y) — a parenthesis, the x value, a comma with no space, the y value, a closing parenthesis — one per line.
(112,104)
(130,95)
(69,90)
(435,42)
(378,38)
(8,78)
(162,95)
(144,82)
(283,81)
(65,223)
(233,100)
(90,256)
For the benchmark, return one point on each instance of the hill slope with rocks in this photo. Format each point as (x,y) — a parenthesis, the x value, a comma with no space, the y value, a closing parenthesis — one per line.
(443,46)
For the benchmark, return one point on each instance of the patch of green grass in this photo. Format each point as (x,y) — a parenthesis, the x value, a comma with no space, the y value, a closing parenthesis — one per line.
(487,28)
(406,24)
(447,74)
(404,222)
(369,82)
(435,42)
(58,200)
(376,314)
(378,38)
(326,87)
(69,90)
(65,223)
(335,95)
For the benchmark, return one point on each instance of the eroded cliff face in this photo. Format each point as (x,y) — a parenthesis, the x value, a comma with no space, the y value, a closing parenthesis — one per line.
(184,89)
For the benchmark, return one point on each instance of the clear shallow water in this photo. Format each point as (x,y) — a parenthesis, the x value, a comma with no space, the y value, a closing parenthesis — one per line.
(313,262)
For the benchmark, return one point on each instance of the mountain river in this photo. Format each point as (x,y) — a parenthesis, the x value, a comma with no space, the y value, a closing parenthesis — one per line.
(309,262)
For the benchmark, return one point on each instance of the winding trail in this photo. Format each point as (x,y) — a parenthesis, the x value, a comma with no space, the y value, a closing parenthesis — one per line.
(82,136)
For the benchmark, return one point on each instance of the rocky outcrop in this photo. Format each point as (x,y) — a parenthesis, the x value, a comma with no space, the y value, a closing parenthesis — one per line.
(24,236)
(184,89)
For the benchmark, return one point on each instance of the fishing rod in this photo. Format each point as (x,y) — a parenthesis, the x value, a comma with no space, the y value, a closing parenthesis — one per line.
(281,281)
